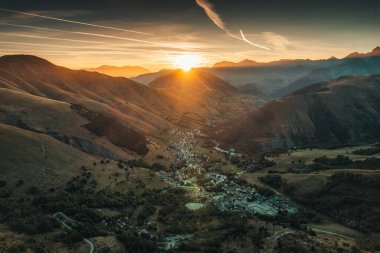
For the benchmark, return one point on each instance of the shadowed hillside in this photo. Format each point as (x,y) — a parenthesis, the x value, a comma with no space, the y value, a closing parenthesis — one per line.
(206,98)
(344,111)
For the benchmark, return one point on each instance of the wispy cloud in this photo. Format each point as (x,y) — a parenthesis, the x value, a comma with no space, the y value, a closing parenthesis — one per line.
(278,42)
(74,22)
(217,20)
(211,13)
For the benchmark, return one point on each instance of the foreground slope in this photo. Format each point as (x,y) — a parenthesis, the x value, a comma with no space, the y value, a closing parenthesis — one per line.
(344,111)
(37,159)
(122,98)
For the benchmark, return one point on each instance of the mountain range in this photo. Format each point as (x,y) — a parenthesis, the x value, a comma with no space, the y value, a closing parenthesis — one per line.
(97,106)
(270,80)
(344,111)
(86,145)
(123,71)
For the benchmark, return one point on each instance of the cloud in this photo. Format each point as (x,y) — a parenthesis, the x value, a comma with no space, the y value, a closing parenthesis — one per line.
(217,20)
(211,13)
(74,22)
(278,41)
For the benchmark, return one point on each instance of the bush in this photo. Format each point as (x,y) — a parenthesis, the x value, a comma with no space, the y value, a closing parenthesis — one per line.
(272,180)
(33,190)
(72,236)
(32,225)
(2,183)
(19,183)
(158,167)
(134,243)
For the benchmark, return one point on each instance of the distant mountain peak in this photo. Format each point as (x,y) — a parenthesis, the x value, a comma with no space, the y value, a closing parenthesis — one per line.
(374,52)
(354,54)
(243,63)
(248,62)
(124,71)
(224,64)
(194,81)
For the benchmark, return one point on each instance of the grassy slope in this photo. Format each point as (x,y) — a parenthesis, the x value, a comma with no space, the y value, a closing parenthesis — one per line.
(23,157)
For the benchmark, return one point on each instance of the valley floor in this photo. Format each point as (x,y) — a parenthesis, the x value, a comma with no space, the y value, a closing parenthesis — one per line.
(207,200)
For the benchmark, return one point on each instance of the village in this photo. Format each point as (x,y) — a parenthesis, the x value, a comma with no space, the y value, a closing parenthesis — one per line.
(216,188)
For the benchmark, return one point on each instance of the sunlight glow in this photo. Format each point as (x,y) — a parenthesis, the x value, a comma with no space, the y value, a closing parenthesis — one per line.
(186,62)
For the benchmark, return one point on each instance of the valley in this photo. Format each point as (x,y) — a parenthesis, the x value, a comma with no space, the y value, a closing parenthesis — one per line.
(192,126)
(188,163)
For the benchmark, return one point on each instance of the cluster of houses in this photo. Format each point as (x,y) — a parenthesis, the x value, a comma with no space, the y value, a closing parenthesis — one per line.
(183,148)
(231,196)
(215,178)
(171,242)
(243,198)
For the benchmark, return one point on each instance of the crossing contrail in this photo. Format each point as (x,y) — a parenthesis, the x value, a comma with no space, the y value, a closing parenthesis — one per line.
(217,20)
(96,35)
(31,36)
(74,22)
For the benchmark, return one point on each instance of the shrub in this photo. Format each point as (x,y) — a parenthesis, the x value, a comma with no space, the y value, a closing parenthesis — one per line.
(33,190)
(2,183)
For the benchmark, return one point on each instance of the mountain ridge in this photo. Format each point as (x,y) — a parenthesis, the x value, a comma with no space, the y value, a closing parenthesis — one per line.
(345,111)
(120,71)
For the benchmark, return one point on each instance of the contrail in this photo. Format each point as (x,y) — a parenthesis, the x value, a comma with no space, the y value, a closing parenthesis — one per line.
(113,48)
(96,35)
(253,44)
(74,22)
(216,19)
(48,38)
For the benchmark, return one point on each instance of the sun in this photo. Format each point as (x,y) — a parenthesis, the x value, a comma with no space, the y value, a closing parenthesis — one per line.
(186,62)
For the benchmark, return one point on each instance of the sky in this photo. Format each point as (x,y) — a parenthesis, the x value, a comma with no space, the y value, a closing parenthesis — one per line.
(83,34)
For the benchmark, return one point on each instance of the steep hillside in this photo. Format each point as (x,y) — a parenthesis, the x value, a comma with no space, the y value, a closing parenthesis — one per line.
(193,83)
(205,97)
(66,123)
(106,116)
(37,159)
(344,111)
(135,104)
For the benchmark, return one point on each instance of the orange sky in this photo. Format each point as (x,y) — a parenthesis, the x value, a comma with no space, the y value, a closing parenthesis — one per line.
(80,38)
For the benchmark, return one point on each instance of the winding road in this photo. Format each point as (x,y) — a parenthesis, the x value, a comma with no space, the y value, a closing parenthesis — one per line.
(317,230)
(63,216)
(271,242)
